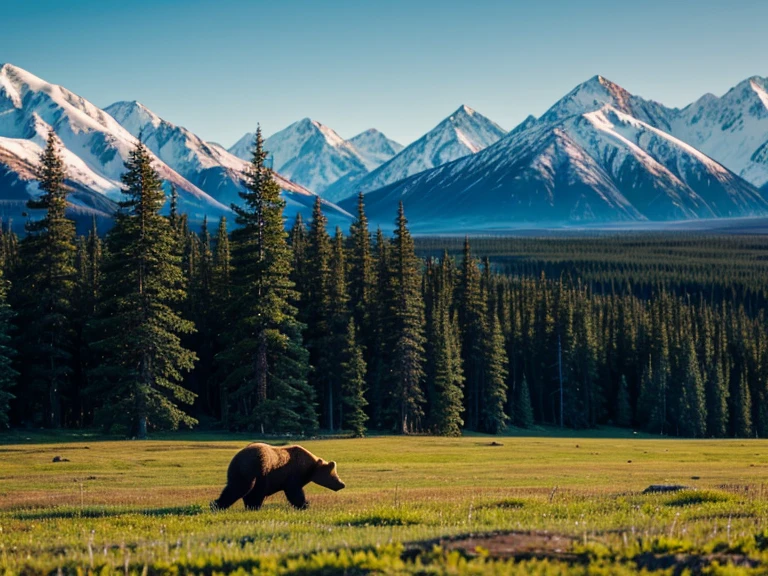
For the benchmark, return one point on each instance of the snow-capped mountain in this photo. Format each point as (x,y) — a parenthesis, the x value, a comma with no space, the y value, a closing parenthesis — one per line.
(463,133)
(600,154)
(95,145)
(310,154)
(205,164)
(375,148)
(732,129)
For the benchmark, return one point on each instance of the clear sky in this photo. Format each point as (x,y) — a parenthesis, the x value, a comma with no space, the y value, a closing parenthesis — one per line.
(220,66)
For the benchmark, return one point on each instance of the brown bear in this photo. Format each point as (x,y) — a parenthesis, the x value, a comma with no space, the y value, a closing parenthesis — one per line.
(260,470)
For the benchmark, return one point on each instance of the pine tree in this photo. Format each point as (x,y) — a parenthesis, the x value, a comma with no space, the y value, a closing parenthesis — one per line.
(692,416)
(222,294)
(523,416)
(89,263)
(717,389)
(444,370)
(43,292)
(299,240)
(494,389)
(316,305)
(222,263)
(405,330)
(201,308)
(8,375)
(142,358)
(266,363)
(378,368)
(741,406)
(353,371)
(472,322)
(623,406)
(362,276)
(337,323)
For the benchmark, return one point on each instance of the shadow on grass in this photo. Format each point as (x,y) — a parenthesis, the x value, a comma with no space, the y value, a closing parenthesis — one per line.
(99,512)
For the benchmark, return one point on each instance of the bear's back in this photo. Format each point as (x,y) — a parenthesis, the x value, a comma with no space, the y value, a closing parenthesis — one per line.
(279,465)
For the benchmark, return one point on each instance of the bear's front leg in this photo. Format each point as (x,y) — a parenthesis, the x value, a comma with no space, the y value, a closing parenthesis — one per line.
(296,497)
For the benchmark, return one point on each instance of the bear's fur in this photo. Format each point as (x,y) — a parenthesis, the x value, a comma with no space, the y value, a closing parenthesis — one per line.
(260,470)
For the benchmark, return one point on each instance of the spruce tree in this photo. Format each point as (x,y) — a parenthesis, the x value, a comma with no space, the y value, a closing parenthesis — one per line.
(692,415)
(337,323)
(201,309)
(494,389)
(444,371)
(316,305)
(44,290)
(378,367)
(362,276)
(267,365)
(523,416)
(222,263)
(717,388)
(299,239)
(142,358)
(353,385)
(8,375)
(89,263)
(472,322)
(405,325)
(222,294)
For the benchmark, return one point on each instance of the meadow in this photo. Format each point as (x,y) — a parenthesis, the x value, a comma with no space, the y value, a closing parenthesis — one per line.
(553,504)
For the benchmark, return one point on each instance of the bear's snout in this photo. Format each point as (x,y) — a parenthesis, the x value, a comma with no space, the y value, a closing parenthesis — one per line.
(340,486)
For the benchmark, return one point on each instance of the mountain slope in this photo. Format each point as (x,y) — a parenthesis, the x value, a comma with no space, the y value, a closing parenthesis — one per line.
(732,129)
(464,132)
(309,153)
(598,155)
(375,148)
(95,145)
(207,165)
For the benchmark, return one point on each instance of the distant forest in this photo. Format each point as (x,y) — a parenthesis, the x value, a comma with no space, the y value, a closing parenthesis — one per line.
(156,326)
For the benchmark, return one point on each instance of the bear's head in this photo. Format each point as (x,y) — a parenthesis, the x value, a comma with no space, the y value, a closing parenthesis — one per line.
(325,475)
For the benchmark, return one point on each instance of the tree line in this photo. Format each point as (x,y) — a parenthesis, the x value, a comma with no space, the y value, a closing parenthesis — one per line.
(158,326)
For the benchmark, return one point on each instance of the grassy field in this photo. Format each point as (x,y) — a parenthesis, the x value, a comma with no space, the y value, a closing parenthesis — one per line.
(141,507)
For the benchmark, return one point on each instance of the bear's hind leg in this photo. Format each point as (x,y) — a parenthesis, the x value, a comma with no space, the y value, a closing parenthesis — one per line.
(254,499)
(229,496)
(297,498)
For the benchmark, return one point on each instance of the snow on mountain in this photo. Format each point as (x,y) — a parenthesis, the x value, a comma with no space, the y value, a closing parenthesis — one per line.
(597,92)
(95,144)
(464,132)
(733,129)
(208,165)
(600,154)
(18,183)
(375,148)
(309,153)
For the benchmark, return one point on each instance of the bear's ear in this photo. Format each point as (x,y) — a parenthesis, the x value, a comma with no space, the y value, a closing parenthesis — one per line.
(332,464)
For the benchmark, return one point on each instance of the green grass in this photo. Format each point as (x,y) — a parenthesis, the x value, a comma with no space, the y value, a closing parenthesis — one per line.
(136,506)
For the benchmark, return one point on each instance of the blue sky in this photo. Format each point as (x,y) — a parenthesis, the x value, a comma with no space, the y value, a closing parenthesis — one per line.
(219,67)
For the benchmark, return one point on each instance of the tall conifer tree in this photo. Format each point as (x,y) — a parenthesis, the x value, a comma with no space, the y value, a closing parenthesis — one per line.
(267,364)
(406,330)
(142,358)
(353,371)
(316,304)
(45,292)
(444,367)
(473,326)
